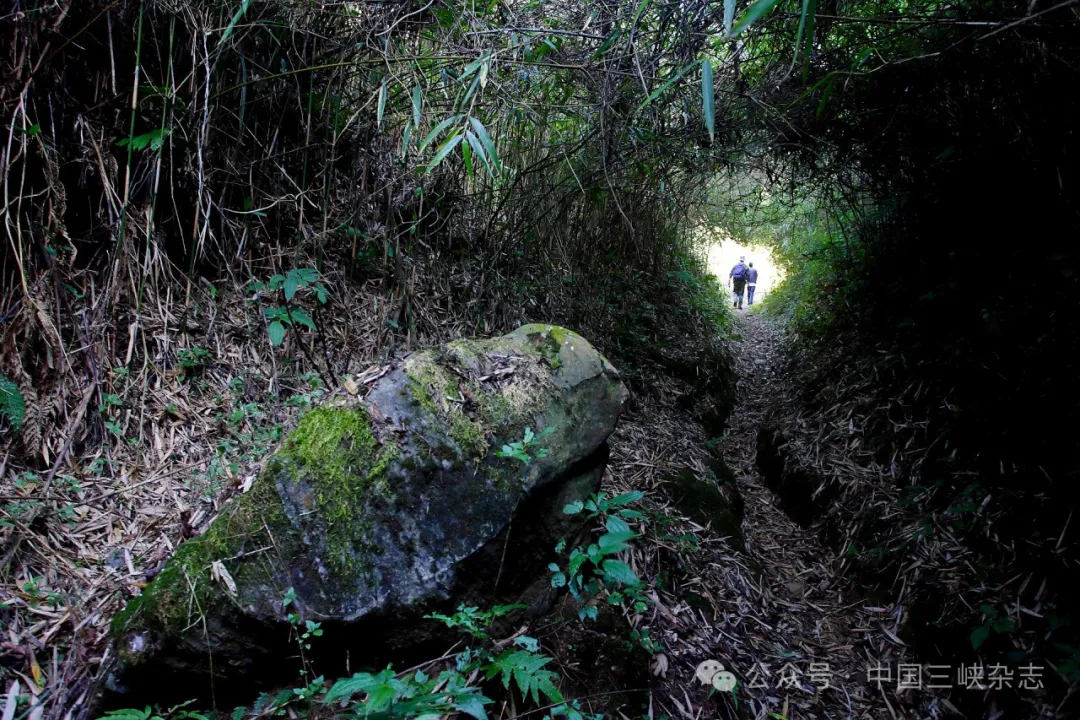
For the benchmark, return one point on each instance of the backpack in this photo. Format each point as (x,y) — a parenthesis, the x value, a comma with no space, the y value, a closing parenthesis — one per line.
(739,272)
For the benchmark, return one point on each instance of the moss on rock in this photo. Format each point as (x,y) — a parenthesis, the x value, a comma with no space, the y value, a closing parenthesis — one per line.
(185,591)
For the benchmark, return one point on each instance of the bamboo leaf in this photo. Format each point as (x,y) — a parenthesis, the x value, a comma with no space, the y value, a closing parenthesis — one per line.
(235,19)
(478,150)
(489,146)
(472,89)
(474,65)
(606,45)
(808,14)
(416,105)
(802,27)
(707,98)
(405,140)
(438,129)
(382,104)
(445,149)
(753,14)
(638,10)
(466,153)
(825,97)
(663,88)
(729,16)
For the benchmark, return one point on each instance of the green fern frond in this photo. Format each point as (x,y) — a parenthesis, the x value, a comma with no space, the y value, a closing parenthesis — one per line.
(12,404)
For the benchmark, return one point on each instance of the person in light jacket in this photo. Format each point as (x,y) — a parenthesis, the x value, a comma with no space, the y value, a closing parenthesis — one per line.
(751,283)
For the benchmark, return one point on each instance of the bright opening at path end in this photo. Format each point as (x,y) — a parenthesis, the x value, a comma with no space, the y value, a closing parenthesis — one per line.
(723,256)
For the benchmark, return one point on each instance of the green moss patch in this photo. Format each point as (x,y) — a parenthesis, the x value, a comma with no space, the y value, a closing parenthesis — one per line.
(335,451)
(432,386)
(342,468)
(185,590)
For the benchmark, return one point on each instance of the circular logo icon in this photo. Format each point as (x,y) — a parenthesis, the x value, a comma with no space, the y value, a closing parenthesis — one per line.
(724,681)
(711,672)
(707,670)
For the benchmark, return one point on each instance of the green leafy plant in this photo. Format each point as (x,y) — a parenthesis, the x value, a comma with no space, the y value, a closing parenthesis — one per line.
(642,638)
(387,695)
(191,358)
(153,140)
(594,568)
(287,314)
(473,620)
(177,712)
(526,668)
(992,623)
(12,403)
(521,665)
(524,450)
(1070,666)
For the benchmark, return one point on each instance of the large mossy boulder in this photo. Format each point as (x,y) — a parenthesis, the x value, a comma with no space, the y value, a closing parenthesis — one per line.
(375,510)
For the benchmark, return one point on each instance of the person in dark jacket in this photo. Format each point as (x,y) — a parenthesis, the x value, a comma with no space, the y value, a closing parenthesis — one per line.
(751,283)
(737,280)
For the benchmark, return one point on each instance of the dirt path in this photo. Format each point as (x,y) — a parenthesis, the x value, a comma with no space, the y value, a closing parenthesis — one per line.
(801,642)
(818,662)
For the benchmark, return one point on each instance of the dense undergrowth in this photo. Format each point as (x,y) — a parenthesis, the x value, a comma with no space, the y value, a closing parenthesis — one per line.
(214,212)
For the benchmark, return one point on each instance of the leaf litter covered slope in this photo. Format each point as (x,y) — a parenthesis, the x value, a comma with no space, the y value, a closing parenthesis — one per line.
(780,617)
(192,398)
(887,486)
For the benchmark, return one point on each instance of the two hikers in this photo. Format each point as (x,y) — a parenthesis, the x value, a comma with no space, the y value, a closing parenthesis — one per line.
(743,277)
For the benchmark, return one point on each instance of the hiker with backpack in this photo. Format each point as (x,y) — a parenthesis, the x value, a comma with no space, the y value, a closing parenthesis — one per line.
(751,284)
(737,280)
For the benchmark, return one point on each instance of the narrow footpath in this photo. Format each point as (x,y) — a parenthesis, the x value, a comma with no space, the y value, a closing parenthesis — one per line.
(801,641)
(831,647)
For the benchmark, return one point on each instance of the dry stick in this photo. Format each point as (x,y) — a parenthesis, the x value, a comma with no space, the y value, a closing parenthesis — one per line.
(119,251)
(1027,19)
(304,347)
(198,233)
(20,110)
(502,560)
(325,346)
